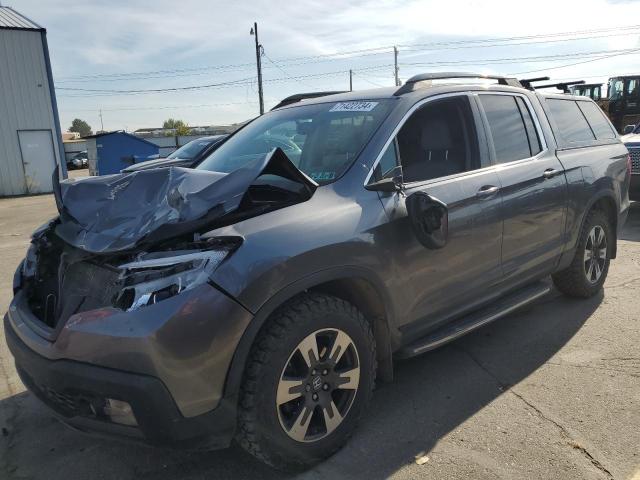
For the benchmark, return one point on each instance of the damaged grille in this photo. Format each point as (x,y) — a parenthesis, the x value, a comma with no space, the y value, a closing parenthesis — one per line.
(65,282)
(635,160)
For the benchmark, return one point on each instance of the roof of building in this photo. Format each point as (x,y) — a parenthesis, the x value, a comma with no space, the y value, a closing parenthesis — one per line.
(10,19)
(117,132)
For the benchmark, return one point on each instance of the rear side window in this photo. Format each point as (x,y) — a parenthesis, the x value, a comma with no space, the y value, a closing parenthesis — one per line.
(598,122)
(573,127)
(514,138)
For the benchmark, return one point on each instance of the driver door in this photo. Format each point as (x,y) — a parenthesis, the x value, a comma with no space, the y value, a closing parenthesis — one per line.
(439,150)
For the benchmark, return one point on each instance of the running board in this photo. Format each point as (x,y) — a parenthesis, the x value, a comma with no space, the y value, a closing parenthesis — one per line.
(477,319)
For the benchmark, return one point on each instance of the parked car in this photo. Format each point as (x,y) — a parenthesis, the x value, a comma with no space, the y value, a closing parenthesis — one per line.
(187,156)
(632,142)
(79,160)
(260,299)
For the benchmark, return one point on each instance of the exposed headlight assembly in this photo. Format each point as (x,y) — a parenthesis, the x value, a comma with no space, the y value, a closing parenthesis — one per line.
(156,276)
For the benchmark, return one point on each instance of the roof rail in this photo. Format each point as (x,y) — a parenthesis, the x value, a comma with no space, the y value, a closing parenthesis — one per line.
(564,86)
(302,96)
(409,85)
(526,82)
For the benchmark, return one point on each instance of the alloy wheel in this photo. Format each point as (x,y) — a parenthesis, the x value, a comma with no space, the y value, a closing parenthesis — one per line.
(318,385)
(595,254)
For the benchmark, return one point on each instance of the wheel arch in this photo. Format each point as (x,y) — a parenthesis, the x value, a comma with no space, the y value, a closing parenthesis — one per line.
(353,284)
(606,202)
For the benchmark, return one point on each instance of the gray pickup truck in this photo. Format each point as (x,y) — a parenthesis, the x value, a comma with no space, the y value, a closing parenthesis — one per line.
(259,296)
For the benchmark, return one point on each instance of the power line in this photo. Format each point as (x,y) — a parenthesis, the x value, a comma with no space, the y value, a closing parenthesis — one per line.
(477,43)
(578,63)
(538,58)
(240,82)
(282,70)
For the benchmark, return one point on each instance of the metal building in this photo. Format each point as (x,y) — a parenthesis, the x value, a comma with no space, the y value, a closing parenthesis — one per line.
(30,136)
(110,152)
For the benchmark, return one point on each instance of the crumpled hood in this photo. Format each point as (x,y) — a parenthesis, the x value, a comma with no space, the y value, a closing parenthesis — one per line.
(117,212)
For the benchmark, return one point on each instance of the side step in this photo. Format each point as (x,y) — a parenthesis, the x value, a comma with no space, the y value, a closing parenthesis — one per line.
(477,319)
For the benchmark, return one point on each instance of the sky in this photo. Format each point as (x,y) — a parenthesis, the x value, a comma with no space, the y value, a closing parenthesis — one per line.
(107,55)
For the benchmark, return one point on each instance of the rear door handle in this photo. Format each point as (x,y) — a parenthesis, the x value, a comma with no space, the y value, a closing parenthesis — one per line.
(487,191)
(551,172)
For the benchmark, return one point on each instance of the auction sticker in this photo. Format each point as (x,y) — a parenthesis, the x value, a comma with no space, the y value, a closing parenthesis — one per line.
(353,107)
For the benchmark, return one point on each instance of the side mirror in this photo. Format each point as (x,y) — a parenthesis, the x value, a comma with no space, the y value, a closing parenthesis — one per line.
(129,159)
(429,219)
(629,129)
(389,184)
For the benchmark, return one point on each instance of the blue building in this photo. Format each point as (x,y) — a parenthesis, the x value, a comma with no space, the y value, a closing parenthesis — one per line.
(110,152)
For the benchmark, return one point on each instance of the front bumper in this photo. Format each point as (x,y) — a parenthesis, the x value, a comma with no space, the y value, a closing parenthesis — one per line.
(169,361)
(76,391)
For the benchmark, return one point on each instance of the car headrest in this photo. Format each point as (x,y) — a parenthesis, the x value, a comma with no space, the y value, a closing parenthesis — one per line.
(436,135)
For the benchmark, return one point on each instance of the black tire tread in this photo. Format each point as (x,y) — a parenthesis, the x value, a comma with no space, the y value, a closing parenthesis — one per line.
(571,281)
(298,310)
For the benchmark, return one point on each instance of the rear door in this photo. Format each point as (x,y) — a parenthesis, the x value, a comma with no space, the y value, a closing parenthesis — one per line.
(534,190)
(441,155)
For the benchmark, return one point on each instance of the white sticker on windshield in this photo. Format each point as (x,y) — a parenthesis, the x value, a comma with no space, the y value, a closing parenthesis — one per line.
(353,107)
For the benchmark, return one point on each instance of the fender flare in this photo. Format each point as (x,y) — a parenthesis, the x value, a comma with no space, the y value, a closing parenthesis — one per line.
(601,194)
(236,370)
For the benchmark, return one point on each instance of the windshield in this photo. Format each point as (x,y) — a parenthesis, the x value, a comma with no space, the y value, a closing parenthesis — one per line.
(322,140)
(191,150)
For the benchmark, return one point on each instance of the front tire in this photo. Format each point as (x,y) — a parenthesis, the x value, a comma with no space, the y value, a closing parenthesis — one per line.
(309,379)
(588,270)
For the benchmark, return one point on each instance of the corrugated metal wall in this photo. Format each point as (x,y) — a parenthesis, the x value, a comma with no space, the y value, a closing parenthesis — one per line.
(25,103)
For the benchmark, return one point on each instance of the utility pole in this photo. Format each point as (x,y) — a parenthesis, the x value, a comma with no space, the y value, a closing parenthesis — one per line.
(254,32)
(395,65)
(101,124)
(350,80)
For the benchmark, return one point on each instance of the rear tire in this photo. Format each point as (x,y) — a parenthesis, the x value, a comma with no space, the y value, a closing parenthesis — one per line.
(308,380)
(588,270)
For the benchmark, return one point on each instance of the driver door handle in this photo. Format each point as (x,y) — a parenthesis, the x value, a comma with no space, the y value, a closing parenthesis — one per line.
(551,172)
(487,191)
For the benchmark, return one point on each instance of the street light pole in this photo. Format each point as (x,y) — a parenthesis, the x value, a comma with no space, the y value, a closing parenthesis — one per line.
(254,32)
(350,80)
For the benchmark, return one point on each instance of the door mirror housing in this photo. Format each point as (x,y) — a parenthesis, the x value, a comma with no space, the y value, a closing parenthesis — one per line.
(429,219)
(629,129)
(390,184)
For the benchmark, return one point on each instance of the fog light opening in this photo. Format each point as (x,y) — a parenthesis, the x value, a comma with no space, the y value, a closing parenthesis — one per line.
(119,412)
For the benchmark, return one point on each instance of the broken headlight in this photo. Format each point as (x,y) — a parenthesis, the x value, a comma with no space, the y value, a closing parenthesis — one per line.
(156,276)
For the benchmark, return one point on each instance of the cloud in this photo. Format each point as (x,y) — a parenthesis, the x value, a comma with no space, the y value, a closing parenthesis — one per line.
(96,37)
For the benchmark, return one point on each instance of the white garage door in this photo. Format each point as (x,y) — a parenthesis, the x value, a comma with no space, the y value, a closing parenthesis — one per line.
(39,159)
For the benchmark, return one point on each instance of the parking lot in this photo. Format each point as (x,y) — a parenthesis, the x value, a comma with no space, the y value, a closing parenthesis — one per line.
(551,392)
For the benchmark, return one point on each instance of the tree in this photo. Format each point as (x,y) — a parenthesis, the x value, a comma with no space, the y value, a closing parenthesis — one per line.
(181,127)
(80,126)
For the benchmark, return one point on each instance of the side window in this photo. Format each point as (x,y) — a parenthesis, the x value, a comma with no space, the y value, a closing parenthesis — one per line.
(438,140)
(532,135)
(573,127)
(388,162)
(510,139)
(632,88)
(615,89)
(599,124)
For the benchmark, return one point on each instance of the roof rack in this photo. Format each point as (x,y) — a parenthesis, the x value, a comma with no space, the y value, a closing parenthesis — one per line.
(409,85)
(526,82)
(302,96)
(564,86)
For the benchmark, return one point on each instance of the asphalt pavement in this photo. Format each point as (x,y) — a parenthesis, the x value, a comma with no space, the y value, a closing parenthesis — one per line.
(550,392)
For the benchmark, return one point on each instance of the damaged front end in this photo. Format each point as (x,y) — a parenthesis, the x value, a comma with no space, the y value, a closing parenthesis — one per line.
(60,280)
(131,240)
